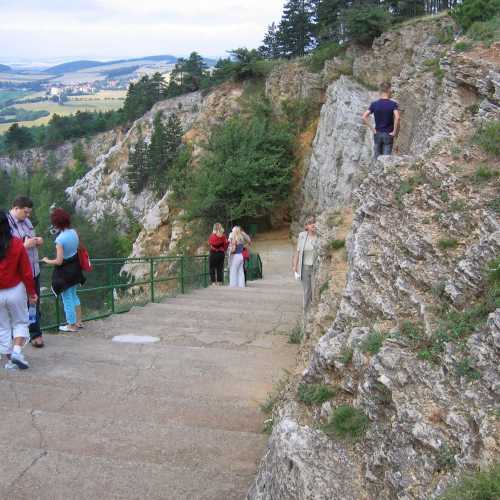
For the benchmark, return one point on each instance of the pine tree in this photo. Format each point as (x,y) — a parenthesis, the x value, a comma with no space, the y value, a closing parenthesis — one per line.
(157,157)
(329,26)
(270,48)
(173,139)
(295,31)
(137,171)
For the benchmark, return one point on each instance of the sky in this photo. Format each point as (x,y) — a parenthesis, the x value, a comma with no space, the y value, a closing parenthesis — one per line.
(36,30)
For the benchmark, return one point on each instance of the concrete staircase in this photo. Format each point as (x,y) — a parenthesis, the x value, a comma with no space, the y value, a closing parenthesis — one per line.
(178,419)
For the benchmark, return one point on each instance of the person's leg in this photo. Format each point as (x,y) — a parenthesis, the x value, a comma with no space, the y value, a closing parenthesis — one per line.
(5,326)
(78,307)
(17,306)
(388,141)
(212,266)
(69,307)
(34,328)
(241,272)
(220,267)
(307,286)
(233,276)
(377,145)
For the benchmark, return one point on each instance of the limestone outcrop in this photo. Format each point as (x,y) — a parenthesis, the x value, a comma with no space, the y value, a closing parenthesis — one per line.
(420,230)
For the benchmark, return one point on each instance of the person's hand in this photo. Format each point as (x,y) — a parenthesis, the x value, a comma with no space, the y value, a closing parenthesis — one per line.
(46,260)
(29,242)
(32,299)
(39,240)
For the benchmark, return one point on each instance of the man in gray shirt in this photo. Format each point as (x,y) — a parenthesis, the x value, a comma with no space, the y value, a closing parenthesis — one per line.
(21,227)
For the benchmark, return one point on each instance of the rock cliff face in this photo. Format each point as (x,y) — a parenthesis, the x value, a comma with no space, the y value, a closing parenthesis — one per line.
(422,232)
(60,157)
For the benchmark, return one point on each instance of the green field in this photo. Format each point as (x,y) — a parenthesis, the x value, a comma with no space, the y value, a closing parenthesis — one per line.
(105,100)
(7,95)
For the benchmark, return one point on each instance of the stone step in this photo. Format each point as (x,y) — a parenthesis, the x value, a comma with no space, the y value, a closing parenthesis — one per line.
(130,439)
(204,410)
(55,475)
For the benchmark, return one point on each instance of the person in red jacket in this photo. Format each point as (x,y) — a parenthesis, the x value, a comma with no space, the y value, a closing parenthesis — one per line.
(218,245)
(17,286)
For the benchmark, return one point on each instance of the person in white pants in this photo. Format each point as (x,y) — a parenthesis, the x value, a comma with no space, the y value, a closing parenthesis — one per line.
(236,271)
(16,281)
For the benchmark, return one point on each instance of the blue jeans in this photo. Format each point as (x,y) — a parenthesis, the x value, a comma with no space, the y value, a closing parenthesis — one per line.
(383,143)
(70,301)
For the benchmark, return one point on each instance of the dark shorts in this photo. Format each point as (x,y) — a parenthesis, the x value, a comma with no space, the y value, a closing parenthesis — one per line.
(383,143)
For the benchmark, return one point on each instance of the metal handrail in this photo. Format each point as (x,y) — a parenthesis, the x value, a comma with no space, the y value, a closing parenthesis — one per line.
(183,273)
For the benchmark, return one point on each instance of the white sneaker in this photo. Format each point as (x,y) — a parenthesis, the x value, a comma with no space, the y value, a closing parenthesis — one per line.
(19,360)
(66,328)
(10,365)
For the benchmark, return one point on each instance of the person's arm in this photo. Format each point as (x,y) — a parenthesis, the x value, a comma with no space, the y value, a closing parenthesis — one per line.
(26,275)
(366,119)
(59,257)
(397,118)
(295,261)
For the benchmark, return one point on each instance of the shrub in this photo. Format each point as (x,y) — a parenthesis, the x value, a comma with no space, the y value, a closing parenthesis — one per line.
(372,343)
(316,59)
(488,137)
(414,332)
(299,112)
(296,335)
(408,186)
(337,244)
(481,485)
(445,36)
(447,243)
(315,394)
(487,32)
(246,170)
(484,173)
(347,421)
(364,23)
(470,11)
(433,65)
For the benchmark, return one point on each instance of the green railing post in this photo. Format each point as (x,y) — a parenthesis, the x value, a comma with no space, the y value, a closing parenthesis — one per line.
(111,290)
(205,271)
(182,274)
(152,279)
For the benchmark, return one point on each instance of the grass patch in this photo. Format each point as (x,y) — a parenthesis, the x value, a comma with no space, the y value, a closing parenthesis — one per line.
(495,204)
(268,405)
(488,137)
(407,186)
(465,369)
(372,343)
(346,355)
(481,485)
(267,428)
(324,287)
(337,244)
(347,422)
(315,394)
(463,46)
(433,65)
(457,206)
(484,173)
(445,36)
(447,243)
(296,335)
(445,458)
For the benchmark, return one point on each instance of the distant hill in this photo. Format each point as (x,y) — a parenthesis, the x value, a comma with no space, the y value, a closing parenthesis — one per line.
(5,68)
(73,66)
(69,67)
